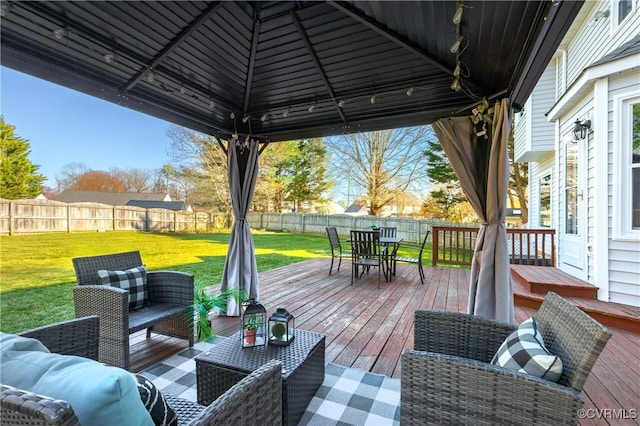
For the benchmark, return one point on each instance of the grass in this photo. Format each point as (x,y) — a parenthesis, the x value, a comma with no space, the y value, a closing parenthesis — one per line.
(37,277)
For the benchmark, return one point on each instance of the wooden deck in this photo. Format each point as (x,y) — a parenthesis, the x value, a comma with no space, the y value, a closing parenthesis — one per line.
(368,327)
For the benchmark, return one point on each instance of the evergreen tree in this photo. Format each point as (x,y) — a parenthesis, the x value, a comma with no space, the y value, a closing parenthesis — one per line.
(19,177)
(308,171)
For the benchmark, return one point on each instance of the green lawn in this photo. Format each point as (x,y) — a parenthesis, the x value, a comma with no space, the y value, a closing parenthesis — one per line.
(36,274)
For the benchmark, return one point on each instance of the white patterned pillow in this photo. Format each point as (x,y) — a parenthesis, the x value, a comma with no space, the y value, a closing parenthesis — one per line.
(160,411)
(133,280)
(524,351)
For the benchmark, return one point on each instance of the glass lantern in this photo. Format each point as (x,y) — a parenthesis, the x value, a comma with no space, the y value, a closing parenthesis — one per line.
(253,322)
(281,328)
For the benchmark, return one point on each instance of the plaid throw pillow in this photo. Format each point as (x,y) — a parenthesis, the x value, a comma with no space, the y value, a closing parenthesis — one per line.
(133,280)
(524,351)
(160,411)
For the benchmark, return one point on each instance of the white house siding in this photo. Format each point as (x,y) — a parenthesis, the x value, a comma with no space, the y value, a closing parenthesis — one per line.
(582,92)
(624,255)
(531,145)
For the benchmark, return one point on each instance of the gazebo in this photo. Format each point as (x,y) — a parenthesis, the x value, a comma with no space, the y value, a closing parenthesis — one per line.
(253,73)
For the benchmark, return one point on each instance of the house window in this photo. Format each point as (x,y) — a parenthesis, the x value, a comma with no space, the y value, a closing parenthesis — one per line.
(624,8)
(544,190)
(626,202)
(571,188)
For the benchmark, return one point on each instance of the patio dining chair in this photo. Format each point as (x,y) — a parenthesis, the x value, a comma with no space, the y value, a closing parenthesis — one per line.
(365,253)
(336,247)
(449,378)
(414,260)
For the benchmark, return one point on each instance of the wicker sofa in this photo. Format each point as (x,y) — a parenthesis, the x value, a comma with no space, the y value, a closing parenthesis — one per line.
(254,400)
(170,297)
(448,378)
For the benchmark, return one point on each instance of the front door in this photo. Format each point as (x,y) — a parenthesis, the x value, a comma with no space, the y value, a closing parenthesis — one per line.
(573,251)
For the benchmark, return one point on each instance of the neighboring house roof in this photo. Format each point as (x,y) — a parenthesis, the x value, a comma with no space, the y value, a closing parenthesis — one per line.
(354,208)
(169,205)
(627,49)
(111,198)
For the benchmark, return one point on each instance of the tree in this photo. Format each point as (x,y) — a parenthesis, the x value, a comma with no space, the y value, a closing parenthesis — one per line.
(449,195)
(95,180)
(308,170)
(134,180)
(518,179)
(382,163)
(19,177)
(198,169)
(69,174)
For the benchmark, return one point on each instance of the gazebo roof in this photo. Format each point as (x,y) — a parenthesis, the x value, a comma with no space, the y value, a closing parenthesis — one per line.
(287,69)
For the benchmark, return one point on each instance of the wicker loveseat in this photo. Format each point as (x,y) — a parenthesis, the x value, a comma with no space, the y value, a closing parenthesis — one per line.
(255,400)
(448,378)
(170,300)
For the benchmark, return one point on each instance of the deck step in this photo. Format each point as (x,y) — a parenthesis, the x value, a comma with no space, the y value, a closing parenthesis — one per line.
(542,280)
(609,314)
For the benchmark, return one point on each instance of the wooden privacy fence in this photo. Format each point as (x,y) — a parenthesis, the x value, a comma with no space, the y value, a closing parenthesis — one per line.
(408,229)
(453,245)
(39,216)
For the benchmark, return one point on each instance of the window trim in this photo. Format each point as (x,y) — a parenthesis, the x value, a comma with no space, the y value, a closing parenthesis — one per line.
(622,176)
(543,174)
(616,21)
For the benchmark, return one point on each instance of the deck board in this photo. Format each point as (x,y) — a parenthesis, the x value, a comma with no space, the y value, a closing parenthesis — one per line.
(369,328)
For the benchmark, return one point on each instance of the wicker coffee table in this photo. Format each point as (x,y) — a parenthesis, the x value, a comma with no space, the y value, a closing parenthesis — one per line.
(302,361)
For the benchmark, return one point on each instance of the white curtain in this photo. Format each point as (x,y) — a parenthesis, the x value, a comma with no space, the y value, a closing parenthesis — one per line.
(240,268)
(482,166)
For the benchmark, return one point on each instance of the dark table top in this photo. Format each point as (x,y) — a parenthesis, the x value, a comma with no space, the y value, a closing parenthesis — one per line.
(230,353)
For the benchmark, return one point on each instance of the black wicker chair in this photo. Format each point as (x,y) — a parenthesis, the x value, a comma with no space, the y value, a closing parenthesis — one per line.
(171,298)
(448,377)
(255,400)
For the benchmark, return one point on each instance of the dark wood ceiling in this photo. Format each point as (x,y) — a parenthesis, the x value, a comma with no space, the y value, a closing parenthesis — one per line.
(287,69)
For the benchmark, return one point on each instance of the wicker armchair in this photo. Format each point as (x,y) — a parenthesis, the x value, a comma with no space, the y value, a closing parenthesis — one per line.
(448,378)
(255,400)
(171,297)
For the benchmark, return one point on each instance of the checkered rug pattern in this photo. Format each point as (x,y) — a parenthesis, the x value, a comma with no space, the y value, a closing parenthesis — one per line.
(348,396)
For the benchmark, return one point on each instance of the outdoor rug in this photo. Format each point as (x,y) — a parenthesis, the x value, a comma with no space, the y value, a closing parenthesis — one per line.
(348,396)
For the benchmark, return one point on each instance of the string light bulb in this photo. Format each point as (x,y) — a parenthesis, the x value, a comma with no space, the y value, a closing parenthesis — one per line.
(245,118)
(232,116)
(151,77)
(456,45)
(311,107)
(211,103)
(264,117)
(109,57)
(342,102)
(457,70)
(373,99)
(285,114)
(410,91)
(456,85)
(457,17)
(59,33)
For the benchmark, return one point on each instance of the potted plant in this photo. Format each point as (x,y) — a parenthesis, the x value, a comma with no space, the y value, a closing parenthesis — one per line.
(250,329)
(205,302)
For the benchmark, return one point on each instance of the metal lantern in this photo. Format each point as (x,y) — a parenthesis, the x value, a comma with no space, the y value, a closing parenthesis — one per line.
(253,321)
(281,328)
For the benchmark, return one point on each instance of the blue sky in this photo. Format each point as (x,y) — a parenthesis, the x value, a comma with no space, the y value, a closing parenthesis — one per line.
(65,126)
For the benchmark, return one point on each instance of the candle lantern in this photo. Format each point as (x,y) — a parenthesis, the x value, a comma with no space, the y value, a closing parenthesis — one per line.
(253,322)
(281,328)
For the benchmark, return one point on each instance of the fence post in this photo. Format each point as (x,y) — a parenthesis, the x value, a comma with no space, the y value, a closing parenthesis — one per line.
(10,217)
(68,219)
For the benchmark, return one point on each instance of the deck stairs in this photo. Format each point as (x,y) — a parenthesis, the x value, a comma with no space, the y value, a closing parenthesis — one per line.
(531,283)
